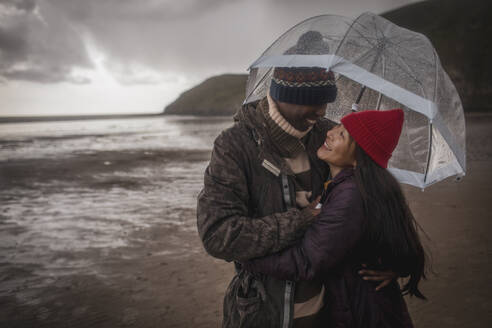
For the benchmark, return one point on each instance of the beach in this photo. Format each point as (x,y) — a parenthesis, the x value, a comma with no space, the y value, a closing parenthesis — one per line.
(97,228)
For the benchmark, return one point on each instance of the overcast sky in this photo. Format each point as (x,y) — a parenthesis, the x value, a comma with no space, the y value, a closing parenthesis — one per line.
(129,56)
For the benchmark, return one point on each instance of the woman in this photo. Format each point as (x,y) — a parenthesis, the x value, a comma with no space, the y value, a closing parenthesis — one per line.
(364,219)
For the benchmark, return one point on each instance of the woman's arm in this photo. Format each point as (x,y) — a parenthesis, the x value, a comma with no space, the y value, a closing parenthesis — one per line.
(326,242)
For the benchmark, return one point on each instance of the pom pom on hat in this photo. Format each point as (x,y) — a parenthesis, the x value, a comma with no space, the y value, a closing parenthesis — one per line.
(376,132)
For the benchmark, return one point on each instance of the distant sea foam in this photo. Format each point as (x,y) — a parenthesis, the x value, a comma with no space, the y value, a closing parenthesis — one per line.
(63,138)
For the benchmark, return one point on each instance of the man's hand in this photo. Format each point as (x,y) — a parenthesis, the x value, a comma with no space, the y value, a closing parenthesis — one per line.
(313,208)
(372,275)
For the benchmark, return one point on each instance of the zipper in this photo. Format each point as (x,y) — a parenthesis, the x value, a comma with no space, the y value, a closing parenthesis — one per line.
(289,285)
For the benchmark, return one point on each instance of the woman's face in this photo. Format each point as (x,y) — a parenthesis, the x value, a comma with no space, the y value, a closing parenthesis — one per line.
(338,148)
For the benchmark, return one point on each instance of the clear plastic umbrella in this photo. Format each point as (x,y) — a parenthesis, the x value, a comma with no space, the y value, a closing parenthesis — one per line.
(379,65)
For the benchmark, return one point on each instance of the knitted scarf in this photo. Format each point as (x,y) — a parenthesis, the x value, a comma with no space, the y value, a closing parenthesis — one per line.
(286,138)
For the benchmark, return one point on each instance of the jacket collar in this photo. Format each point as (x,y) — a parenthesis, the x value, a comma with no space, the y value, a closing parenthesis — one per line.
(343,175)
(252,117)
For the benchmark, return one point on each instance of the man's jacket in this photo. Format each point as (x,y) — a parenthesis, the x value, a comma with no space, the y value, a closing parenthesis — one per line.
(247,210)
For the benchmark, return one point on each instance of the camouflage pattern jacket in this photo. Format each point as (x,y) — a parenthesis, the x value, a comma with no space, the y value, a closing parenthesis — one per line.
(247,210)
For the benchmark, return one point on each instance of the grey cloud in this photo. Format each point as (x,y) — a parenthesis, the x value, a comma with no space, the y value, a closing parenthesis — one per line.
(22,5)
(157,11)
(133,73)
(12,43)
(171,36)
(197,38)
(44,76)
(37,44)
(41,40)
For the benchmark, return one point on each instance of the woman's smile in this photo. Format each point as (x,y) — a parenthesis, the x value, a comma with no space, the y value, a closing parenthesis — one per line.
(338,149)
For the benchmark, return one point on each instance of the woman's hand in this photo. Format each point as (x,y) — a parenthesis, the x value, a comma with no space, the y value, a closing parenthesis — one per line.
(385,277)
(313,206)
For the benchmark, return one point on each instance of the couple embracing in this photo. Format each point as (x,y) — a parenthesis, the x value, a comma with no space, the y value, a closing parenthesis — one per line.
(299,265)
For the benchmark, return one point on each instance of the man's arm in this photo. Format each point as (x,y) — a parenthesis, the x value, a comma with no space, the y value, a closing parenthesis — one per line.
(226,230)
(325,244)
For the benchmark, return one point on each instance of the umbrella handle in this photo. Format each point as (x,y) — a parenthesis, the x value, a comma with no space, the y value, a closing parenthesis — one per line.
(355,107)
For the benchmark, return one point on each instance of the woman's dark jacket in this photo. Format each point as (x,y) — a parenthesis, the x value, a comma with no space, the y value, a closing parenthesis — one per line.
(332,249)
(247,210)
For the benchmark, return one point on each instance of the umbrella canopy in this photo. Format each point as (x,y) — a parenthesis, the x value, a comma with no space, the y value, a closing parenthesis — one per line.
(380,65)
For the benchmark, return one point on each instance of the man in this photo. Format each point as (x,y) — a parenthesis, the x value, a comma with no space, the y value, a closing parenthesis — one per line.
(261,189)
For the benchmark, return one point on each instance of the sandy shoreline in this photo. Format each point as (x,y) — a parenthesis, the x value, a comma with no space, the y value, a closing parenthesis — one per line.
(163,278)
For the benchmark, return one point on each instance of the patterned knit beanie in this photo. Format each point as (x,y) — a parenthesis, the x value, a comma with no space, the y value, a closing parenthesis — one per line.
(304,85)
(376,132)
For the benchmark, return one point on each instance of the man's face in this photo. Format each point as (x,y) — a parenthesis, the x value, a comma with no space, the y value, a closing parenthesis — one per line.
(301,117)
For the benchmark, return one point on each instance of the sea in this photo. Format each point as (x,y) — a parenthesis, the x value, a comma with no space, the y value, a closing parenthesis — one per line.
(77,186)
(66,138)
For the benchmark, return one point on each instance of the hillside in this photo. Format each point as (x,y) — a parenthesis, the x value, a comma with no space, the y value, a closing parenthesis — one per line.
(461,33)
(218,95)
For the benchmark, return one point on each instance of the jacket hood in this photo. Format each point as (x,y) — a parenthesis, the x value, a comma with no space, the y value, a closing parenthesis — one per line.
(251,116)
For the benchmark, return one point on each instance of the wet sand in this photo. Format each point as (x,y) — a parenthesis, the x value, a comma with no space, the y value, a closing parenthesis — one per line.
(161,277)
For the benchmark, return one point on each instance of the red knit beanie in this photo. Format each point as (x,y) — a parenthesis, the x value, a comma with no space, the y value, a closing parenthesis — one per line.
(377,132)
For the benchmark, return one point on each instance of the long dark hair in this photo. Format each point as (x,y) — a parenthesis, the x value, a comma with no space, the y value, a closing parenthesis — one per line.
(390,231)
